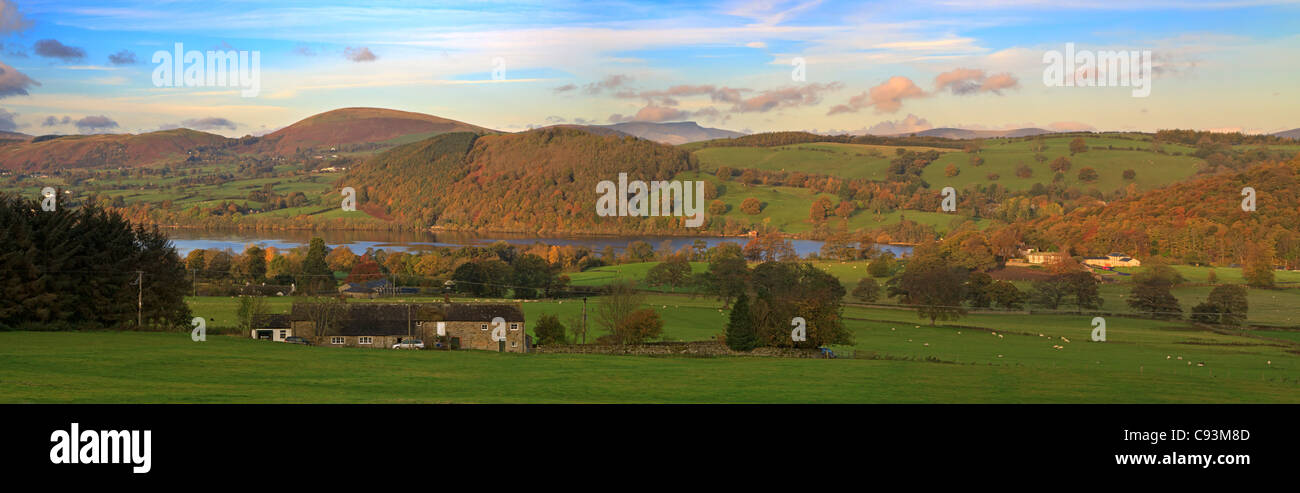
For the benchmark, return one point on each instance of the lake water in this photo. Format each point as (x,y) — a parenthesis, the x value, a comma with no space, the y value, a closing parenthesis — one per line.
(358,241)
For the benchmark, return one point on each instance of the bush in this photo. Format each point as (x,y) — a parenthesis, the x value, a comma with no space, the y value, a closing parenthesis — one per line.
(868,290)
(549,330)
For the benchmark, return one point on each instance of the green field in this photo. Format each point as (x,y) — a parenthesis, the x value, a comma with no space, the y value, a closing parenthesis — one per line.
(844,160)
(152,367)
(1109,154)
(786,208)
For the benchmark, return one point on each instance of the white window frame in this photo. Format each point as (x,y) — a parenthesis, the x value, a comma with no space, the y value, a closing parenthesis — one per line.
(283,334)
(365,340)
(483,327)
(338,340)
(514,326)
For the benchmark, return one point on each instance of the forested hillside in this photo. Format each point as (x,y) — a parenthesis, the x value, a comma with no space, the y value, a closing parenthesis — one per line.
(1196,221)
(543,180)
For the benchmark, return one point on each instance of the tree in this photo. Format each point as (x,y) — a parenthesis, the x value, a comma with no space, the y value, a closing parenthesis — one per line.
(951,171)
(641,325)
(532,275)
(1151,291)
(1079,288)
(1154,300)
(1077,146)
(616,308)
(1007,295)
(979,286)
(341,259)
(327,314)
(1258,271)
(1088,175)
(365,270)
(1227,305)
(933,285)
(868,290)
(1024,171)
(316,274)
(817,212)
(1060,165)
(741,333)
(549,330)
(784,290)
(882,265)
(751,206)
(728,272)
(674,273)
(845,209)
(717,208)
(251,308)
(1130,174)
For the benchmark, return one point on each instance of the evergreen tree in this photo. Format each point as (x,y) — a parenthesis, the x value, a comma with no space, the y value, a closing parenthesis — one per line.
(741,334)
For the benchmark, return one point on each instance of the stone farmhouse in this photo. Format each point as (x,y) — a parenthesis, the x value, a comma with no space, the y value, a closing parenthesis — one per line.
(1113,260)
(381,325)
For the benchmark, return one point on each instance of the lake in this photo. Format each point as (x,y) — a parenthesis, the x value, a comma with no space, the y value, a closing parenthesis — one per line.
(358,241)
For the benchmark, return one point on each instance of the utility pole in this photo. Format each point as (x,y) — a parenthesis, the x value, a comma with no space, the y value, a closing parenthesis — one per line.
(139,299)
(584,319)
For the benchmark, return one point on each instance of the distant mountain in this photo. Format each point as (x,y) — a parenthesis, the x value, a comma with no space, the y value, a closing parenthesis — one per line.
(539,180)
(83,151)
(673,133)
(351,126)
(1289,134)
(5,135)
(961,133)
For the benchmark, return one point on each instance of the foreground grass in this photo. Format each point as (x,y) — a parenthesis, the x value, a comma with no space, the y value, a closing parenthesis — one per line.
(152,367)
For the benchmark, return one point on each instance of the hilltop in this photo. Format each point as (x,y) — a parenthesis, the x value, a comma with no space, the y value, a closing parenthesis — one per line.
(543,179)
(124,150)
(1289,134)
(965,134)
(358,126)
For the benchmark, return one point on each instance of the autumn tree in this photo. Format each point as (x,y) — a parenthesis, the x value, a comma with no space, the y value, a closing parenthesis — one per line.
(751,206)
(1060,164)
(867,290)
(1077,146)
(933,285)
(1088,175)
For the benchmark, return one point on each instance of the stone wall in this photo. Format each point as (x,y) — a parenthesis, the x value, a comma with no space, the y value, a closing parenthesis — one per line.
(701,348)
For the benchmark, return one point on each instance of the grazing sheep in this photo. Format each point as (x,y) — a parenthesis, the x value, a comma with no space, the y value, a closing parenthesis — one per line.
(1064,339)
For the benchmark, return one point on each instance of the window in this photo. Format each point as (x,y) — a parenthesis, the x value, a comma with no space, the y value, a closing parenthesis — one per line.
(514,326)
(514,344)
(284,333)
(365,340)
(482,327)
(336,340)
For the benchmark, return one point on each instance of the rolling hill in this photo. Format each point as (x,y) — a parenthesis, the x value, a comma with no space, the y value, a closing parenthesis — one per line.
(540,180)
(961,133)
(351,126)
(83,151)
(673,133)
(1289,134)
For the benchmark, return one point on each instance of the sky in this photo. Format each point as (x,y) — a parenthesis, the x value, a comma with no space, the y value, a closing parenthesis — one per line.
(857,67)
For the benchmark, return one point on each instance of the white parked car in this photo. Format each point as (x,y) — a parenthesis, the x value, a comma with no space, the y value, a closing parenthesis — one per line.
(409,344)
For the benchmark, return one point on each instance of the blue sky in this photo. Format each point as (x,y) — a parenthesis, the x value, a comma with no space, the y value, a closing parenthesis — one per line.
(880,67)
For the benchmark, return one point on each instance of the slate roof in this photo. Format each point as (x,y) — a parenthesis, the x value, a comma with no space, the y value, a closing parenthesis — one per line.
(390,319)
(272,321)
